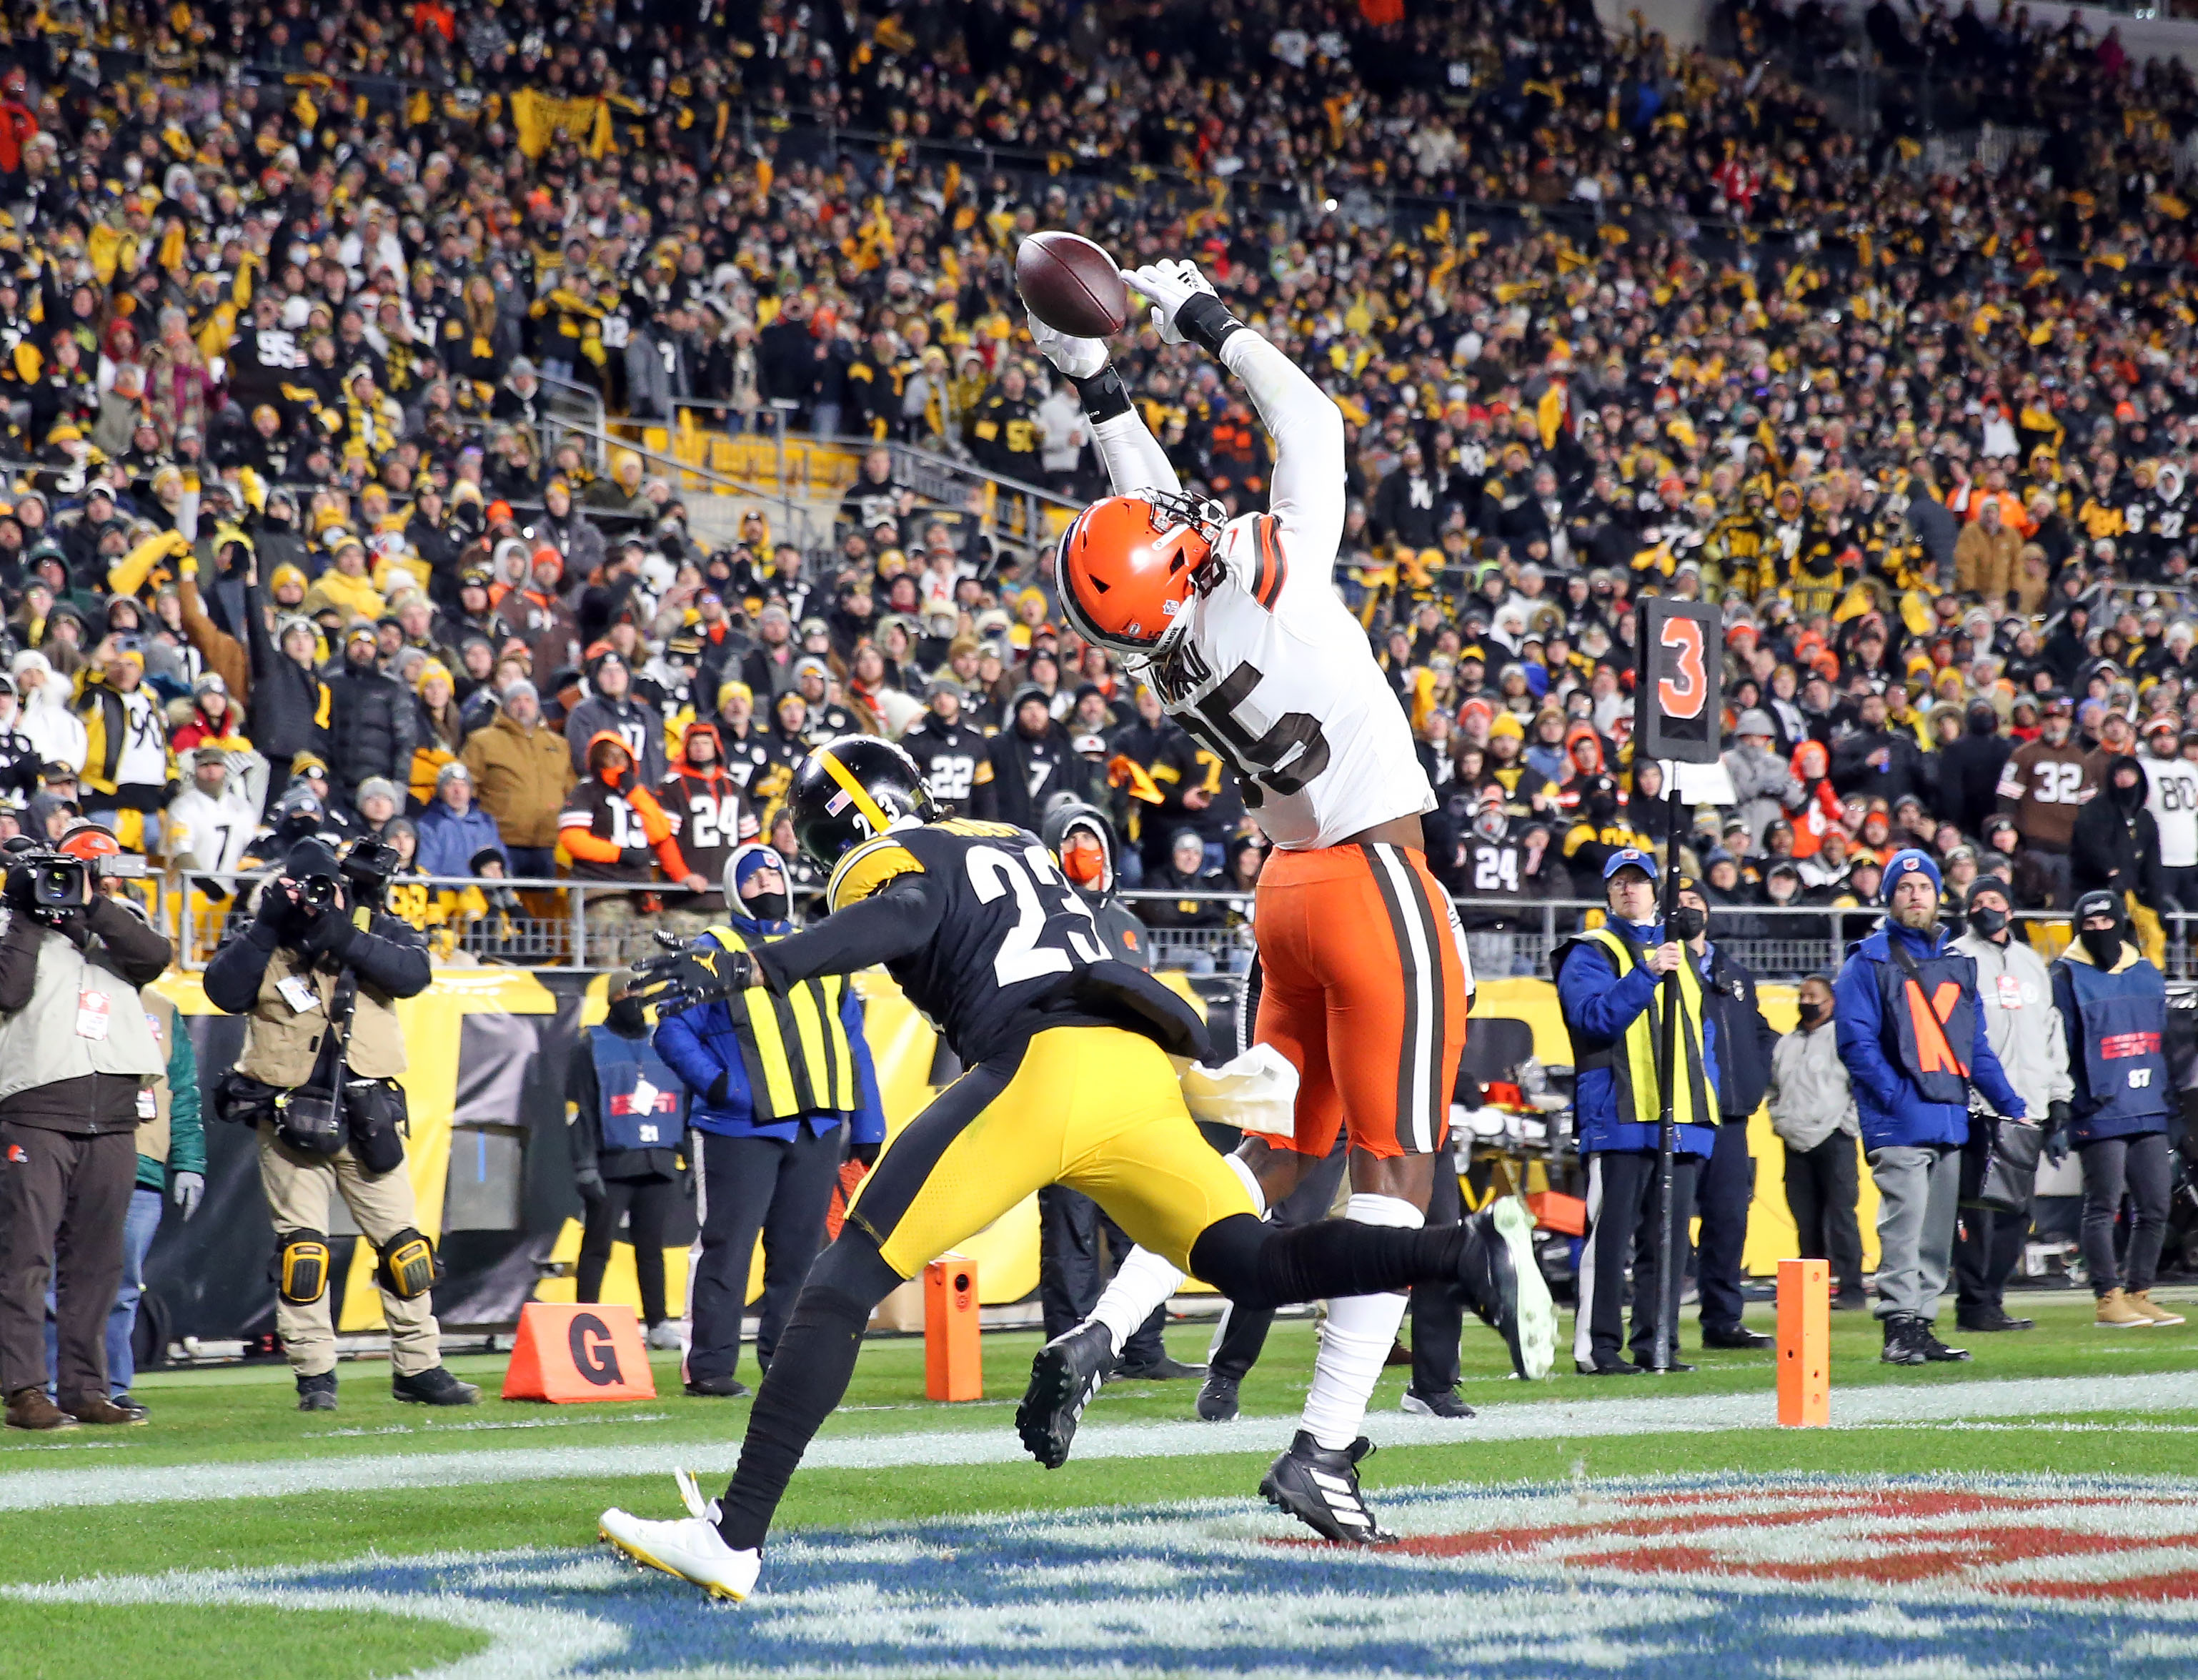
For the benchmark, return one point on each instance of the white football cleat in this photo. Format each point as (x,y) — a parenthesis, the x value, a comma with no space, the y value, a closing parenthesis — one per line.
(689,1546)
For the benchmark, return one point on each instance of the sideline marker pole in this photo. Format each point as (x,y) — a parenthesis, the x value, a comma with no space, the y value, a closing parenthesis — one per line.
(1804,1344)
(953,1356)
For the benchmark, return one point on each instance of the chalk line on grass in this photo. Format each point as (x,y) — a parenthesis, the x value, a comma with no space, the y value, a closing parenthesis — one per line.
(1880,1405)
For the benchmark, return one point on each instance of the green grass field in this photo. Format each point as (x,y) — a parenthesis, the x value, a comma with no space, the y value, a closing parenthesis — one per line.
(228,1475)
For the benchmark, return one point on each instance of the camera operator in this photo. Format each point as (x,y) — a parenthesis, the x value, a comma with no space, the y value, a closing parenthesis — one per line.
(318,973)
(77,1063)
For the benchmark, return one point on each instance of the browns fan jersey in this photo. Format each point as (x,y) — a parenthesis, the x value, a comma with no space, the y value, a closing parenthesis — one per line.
(710,816)
(1011,929)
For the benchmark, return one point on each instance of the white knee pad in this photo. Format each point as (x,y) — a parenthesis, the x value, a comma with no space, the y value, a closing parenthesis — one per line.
(1367,1209)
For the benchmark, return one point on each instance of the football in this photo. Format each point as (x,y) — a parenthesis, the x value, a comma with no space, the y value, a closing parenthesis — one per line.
(1071,285)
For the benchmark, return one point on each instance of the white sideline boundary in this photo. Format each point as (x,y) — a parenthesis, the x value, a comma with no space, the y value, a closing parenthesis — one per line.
(1895,1404)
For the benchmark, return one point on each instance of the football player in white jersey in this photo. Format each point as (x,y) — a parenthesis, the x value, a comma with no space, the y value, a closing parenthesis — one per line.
(1237,627)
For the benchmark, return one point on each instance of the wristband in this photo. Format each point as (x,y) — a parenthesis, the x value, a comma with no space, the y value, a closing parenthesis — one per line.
(1205,320)
(1104,395)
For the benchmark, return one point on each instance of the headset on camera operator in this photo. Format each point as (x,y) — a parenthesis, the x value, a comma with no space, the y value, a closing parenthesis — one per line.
(77,1061)
(318,971)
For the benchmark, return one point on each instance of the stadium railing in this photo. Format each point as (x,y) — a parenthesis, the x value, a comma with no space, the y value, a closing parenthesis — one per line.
(602,925)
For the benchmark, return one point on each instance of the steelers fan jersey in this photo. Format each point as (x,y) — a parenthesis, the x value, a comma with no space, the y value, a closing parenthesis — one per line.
(1011,929)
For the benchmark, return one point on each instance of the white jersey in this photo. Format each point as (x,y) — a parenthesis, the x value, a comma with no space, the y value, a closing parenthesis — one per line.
(208,834)
(2172,797)
(1276,675)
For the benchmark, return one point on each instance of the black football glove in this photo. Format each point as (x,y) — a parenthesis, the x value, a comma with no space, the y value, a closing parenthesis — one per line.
(866,1154)
(701,974)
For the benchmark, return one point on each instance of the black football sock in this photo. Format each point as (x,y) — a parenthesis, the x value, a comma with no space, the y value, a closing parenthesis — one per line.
(810,1370)
(1259,1266)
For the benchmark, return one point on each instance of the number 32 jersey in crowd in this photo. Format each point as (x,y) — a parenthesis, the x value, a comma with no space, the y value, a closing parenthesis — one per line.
(1011,931)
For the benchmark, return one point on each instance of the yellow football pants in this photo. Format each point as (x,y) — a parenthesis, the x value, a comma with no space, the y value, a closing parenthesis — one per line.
(1096,1108)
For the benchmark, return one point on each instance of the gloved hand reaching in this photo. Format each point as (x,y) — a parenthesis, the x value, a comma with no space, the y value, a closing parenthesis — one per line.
(1077,358)
(682,979)
(589,1184)
(1168,287)
(2058,1115)
(186,1190)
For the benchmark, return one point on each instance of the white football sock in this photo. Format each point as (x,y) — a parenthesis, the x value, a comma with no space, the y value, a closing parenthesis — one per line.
(1355,1341)
(1145,1281)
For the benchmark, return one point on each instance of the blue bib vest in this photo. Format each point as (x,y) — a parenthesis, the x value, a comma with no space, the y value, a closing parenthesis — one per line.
(643,1104)
(1933,1016)
(2121,1021)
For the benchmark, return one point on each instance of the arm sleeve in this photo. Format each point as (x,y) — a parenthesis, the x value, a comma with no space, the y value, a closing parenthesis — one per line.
(140,955)
(390,957)
(233,974)
(869,1121)
(686,1050)
(1860,1025)
(582,1097)
(1133,456)
(19,963)
(1595,1000)
(1989,1077)
(186,1124)
(1307,493)
(886,925)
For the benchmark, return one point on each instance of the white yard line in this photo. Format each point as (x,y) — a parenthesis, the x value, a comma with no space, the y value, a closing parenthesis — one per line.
(2044,1399)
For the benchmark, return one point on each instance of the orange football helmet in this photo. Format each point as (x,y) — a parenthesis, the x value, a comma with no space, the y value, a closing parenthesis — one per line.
(1129,566)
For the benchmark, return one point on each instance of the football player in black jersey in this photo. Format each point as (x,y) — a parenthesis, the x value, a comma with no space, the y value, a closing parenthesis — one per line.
(1068,1081)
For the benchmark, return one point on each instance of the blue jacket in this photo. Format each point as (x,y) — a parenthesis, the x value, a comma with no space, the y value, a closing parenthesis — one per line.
(1598,1007)
(1894,1113)
(701,1045)
(448,842)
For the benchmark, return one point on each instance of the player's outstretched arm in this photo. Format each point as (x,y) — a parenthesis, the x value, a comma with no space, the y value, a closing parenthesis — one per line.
(1307,494)
(889,924)
(1134,459)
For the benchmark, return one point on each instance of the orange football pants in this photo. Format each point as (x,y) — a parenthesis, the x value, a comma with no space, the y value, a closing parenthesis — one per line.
(1365,994)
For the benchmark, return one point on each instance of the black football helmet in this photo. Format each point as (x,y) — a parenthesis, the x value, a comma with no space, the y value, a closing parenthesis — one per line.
(854,789)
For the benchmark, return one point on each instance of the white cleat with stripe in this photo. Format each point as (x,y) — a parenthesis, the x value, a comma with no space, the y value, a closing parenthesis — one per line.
(689,1546)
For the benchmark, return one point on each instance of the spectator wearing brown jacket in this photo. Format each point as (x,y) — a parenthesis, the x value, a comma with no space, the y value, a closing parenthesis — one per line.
(1985,557)
(521,773)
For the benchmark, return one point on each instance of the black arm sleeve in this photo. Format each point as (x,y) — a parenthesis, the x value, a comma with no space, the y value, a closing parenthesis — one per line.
(584,1126)
(391,957)
(234,974)
(140,955)
(889,924)
(1103,394)
(19,963)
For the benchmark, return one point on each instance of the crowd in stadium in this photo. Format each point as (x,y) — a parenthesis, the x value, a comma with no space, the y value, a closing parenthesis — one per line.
(287,545)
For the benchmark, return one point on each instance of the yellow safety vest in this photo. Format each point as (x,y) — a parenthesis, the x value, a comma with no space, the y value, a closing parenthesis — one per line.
(1636,1064)
(795,1046)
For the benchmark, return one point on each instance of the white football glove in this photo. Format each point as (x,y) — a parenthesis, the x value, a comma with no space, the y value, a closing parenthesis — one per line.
(1168,287)
(1077,359)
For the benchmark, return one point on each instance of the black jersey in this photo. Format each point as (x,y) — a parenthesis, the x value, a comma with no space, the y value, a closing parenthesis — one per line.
(1490,870)
(710,816)
(1012,933)
(948,754)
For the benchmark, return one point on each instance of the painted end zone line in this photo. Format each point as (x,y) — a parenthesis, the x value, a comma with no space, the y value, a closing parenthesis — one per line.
(1677,1414)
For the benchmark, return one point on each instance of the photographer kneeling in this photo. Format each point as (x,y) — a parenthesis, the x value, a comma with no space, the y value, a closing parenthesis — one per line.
(319,972)
(77,1064)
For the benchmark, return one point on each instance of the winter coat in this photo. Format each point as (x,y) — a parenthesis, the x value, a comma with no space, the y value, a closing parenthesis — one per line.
(1598,1010)
(520,778)
(2116,844)
(1811,1097)
(1763,788)
(1969,770)
(703,1048)
(449,841)
(1744,1039)
(371,727)
(2016,996)
(1892,1108)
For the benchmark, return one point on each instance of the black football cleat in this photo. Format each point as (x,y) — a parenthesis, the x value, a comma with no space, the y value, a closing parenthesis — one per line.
(1320,1488)
(1217,1398)
(1162,1369)
(1499,1279)
(1065,1374)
